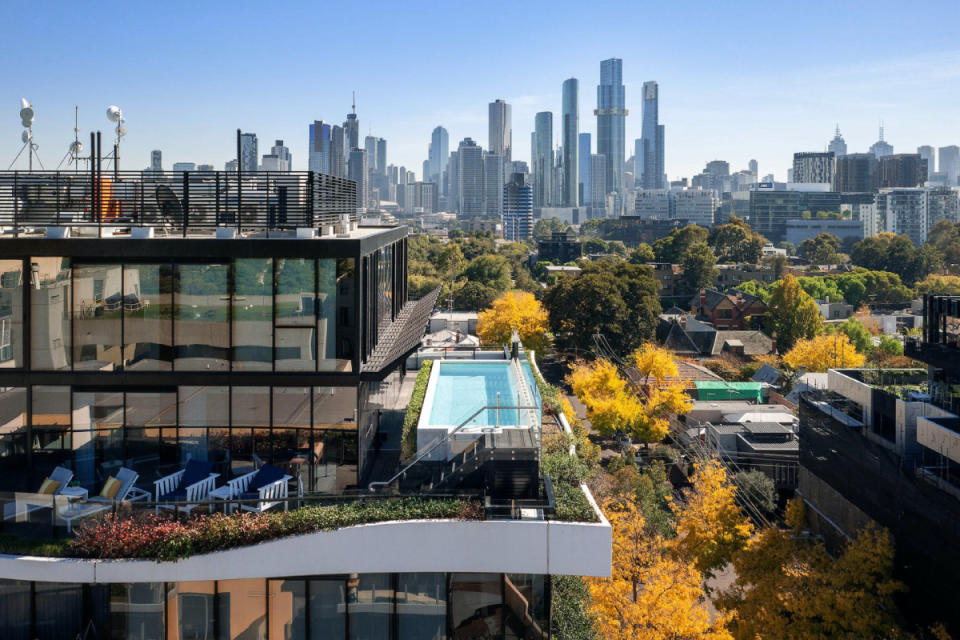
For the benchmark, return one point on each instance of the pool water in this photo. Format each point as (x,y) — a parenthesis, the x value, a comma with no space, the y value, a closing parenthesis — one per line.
(464,387)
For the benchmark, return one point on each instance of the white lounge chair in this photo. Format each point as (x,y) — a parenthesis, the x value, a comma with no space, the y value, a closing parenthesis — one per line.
(268,484)
(128,492)
(188,486)
(26,503)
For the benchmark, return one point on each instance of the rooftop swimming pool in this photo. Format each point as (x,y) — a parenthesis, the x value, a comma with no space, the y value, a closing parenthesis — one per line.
(459,389)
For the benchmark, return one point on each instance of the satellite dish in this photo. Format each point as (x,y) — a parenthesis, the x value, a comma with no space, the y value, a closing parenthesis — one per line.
(121,130)
(114,113)
(25,136)
(26,113)
(76,148)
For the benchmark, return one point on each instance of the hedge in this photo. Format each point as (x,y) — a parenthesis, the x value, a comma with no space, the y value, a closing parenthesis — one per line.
(569,619)
(412,415)
(153,537)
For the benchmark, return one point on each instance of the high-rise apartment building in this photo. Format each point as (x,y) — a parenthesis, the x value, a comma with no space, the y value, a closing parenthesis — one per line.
(929,154)
(351,130)
(319,147)
(438,156)
(902,170)
(370,146)
(338,156)
(156,160)
(493,181)
(611,115)
(598,186)
(542,159)
(583,164)
(652,204)
(813,167)
(382,156)
(357,171)
(837,146)
(570,129)
(950,164)
(248,152)
(652,176)
(500,138)
(279,158)
(696,206)
(754,169)
(856,173)
(904,211)
(943,203)
(453,182)
(517,209)
(470,179)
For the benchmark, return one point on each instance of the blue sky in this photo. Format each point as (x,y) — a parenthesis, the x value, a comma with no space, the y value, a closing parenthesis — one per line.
(737,80)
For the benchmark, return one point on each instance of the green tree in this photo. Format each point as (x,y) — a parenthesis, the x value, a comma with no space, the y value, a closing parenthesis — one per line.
(792,313)
(642,254)
(671,248)
(736,242)
(546,226)
(595,245)
(777,263)
(821,249)
(489,270)
(756,487)
(698,262)
(474,296)
(890,346)
(858,335)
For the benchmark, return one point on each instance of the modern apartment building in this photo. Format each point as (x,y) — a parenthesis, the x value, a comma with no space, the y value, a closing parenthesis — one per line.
(570,130)
(517,209)
(541,160)
(611,115)
(813,167)
(470,186)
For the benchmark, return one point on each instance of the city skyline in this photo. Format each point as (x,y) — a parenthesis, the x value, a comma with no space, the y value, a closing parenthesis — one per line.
(746,118)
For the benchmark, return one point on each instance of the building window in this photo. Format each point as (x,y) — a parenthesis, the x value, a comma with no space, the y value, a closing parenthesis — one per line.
(253,314)
(11,313)
(97,316)
(136,611)
(148,317)
(370,605)
(201,331)
(50,304)
(422,605)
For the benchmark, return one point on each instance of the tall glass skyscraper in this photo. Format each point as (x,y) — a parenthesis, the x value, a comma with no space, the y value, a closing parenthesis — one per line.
(542,159)
(611,115)
(439,154)
(584,162)
(652,139)
(499,129)
(319,156)
(570,130)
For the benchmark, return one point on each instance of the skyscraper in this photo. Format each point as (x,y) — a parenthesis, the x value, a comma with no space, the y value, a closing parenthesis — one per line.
(357,171)
(470,179)
(278,159)
(500,136)
(156,160)
(541,161)
(881,147)
(856,173)
(598,189)
(517,209)
(927,153)
(950,164)
(338,164)
(248,152)
(351,129)
(370,146)
(382,156)
(611,115)
(319,148)
(754,169)
(652,137)
(439,153)
(813,167)
(570,129)
(493,181)
(838,145)
(583,162)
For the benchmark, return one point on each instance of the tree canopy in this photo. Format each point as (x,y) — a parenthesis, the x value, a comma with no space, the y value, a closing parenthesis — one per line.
(823,249)
(792,313)
(515,310)
(736,242)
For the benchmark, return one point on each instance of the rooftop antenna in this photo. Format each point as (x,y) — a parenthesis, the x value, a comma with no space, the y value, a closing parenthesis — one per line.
(354,105)
(115,114)
(26,119)
(76,147)
(838,129)
(881,131)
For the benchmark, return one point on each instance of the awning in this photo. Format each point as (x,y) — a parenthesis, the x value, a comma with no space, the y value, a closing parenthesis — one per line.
(401,337)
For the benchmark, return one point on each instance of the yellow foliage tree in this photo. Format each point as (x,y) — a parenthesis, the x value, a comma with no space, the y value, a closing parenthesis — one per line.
(711,527)
(515,309)
(652,360)
(827,351)
(653,594)
(788,586)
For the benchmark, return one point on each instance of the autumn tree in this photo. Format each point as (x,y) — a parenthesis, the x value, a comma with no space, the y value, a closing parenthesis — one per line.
(515,310)
(653,360)
(788,586)
(826,351)
(792,313)
(652,594)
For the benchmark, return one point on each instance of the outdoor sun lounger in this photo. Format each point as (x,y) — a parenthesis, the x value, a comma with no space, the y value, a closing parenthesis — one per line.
(26,503)
(268,484)
(188,486)
(128,492)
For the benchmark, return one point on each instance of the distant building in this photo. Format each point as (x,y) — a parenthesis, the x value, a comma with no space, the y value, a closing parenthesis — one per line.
(950,164)
(542,160)
(653,203)
(438,156)
(499,141)
(902,170)
(561,247)
(248,152)
(696,206)
(598,189)
(570,129)
(517,209)
(881,147)
(904,211)
(278,159)
(611,115)
(156,160)
(357,171)
(837,146)
(929,154)
(798,230)
(771,208)
(338,162)
(318,154)
(651,164)
(470,179)
(731,310)
(943,203)
(856,173)
(813,167)
(493,181)
(180,167)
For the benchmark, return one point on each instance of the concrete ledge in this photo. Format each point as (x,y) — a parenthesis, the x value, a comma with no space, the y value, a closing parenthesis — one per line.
(492,546)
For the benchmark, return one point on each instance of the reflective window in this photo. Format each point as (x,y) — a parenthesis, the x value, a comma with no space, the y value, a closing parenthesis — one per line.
(288,611)
(334,445)
(15,609)
(475,605)
(250,433)
(200,408)
(97,436)
(52,441)
(385,286)
(422,606)
(253,314)
(97,314)
(295,292)
(148,317)
(50,313)
(242,609)
(59,610)
(295,349)
(291,430)
(370,604)
(524,597)
(190,610)
(201,330)
(136,611)
(328,609)
(11,313)
(147,415)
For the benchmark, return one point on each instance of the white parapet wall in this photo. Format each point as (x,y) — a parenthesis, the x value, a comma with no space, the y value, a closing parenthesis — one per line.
(492,546)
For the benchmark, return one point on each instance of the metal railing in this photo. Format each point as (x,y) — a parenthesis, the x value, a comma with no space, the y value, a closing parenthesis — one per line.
(175,200)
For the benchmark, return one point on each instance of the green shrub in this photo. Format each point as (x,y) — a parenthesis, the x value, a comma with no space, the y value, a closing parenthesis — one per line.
(412,415)
(569,619)
(15,545)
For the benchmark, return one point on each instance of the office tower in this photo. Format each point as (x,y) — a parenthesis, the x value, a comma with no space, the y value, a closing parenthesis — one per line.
(583,163)
(357,171)
(517,209)
(556,180)
(438,156)
(500,135)
(950,164)
(248,152)
(469,179)
(904,211)
(370,146)
(856,173)
(493,181)
(881,147)
(714,176)
(902,170)
(338,163)
(382,156)
(813,166)
(351,129)
(652,204)
(284,161)
(611,115)
(542,159)
(156,160)
(696,206)
(838,145)
(453,182)
(180,167)
(319,147)
(598,186)
(929,154)
(754,169)
(230,165)
(637,167)
(570,129)
(519,166)
(652,139)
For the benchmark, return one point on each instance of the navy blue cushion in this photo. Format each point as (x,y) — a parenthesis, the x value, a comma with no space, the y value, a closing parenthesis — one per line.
(177,495)
(267,475)
(194,472)
(249,495)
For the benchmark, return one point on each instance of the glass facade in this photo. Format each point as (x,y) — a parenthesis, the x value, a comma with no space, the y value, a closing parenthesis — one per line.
(424,606)
(11,313)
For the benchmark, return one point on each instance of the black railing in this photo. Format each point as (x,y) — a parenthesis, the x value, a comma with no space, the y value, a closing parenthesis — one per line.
(176,200)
